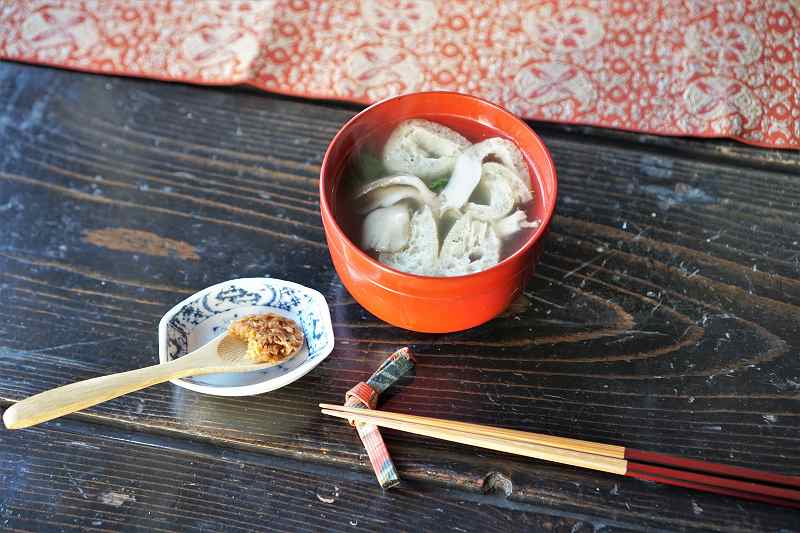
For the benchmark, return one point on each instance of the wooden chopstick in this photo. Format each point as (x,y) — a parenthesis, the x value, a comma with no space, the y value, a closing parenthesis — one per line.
(596,448)
(741,482)
(537,451)
(716,489)
(740,472)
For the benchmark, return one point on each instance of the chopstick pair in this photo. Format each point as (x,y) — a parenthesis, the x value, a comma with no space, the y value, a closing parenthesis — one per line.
(735,481)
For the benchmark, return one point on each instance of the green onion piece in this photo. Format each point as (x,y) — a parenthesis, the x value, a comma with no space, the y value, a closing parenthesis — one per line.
(439,184)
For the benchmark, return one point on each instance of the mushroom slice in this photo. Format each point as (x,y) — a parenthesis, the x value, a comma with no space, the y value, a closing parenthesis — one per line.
(466,175)
(468,168)
(513,223)
(470,246)
(388,191)
(386,229)
(422,148)
(495,188)
(386,197)
(419,256)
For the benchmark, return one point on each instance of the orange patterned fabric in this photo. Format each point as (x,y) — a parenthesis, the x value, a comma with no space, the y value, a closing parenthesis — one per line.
(710,68)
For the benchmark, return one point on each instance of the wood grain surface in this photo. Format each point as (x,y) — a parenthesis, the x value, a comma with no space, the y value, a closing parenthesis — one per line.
(68,476)
(665,314)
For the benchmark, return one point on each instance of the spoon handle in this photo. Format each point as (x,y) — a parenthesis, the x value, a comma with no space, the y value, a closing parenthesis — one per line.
(76,396)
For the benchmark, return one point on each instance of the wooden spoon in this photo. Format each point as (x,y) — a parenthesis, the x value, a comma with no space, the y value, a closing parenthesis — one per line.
(226,353)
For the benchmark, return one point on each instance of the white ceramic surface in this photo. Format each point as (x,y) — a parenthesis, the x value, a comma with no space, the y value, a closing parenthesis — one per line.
(207,313)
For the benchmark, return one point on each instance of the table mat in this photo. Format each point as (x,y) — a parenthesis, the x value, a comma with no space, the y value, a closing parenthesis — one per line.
(700,68)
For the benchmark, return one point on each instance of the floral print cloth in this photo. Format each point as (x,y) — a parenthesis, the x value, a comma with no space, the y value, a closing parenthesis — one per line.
(708,68)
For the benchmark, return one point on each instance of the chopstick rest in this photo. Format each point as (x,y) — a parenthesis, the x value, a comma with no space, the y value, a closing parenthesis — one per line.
(365,396)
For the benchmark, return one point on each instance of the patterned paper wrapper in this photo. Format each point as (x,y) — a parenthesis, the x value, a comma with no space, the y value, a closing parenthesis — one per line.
(365,396)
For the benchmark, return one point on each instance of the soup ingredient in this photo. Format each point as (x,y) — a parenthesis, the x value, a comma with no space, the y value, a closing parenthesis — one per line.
(468,170)
(270,338)
(520,188)
(390,190)
(496,189)
(423,148)
(470,246)
(478,205)
(507,153)
(421,254)
(439,184)
(386,197)
(513,223)
(466,175)
(387,229)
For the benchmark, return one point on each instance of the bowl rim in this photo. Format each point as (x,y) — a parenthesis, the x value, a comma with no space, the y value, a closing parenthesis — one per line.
(327,210)
(261,386)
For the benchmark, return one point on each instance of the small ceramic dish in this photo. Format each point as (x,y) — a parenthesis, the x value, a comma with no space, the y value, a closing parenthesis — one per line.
(206,314)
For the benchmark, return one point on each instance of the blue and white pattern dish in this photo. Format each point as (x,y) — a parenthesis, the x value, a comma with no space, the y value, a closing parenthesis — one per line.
(207,314)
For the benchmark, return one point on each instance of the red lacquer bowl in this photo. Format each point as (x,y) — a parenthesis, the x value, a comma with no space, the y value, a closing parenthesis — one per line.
(422,303)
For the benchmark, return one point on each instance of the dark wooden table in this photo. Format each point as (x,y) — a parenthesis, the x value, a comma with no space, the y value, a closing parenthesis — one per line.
(665,315)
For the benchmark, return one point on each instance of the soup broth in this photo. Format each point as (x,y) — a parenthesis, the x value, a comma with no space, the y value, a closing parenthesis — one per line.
(426,184)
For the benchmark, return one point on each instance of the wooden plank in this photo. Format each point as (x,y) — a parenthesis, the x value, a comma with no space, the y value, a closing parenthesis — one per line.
(76,477)
(663,315)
